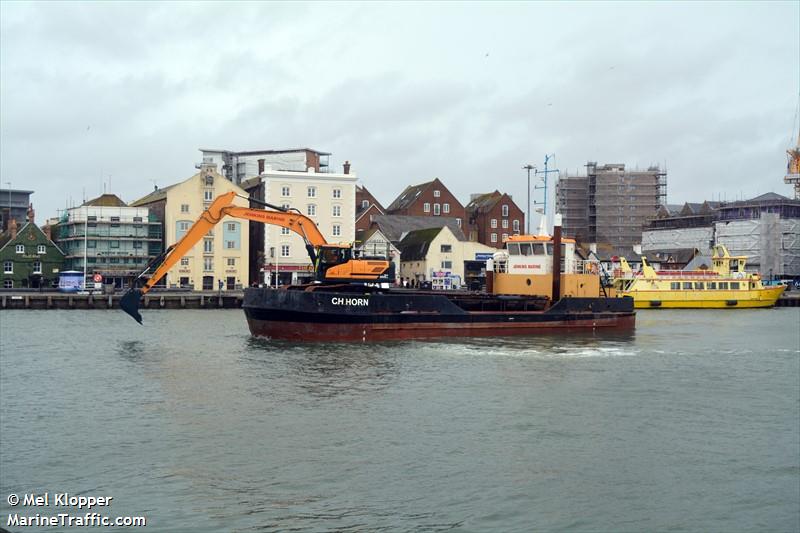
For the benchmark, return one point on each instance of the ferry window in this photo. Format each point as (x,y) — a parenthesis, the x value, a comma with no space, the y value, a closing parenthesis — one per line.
(712,285)
(526,249)
(698,285)
(723,285)
(675,285)
(513,248)
(538,248)
(687,285)
(734,285)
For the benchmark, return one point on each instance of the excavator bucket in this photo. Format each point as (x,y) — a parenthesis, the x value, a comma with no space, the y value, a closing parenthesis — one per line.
(130,303)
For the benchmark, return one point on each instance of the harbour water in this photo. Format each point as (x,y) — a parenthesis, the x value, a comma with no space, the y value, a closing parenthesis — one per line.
(692,423)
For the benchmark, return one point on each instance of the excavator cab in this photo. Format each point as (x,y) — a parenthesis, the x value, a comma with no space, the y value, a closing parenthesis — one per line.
(336,263)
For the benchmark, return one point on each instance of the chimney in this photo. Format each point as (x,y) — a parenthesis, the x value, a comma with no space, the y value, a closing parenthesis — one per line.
(12,228)
(31,213)
(260,166)
(48,232)
(347,167)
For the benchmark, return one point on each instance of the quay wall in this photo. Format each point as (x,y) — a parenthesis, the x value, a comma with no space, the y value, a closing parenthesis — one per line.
(153,300)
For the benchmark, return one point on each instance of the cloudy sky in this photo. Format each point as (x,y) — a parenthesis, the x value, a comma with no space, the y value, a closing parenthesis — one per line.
(125,93)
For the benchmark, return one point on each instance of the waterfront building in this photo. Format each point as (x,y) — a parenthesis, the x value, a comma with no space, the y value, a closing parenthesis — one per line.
(14,203)
(430,199)
(367,207)
(493,217)
(220,259)
(439,256)
(765,228)
(327,198)
(109,238)
(610,205)
(28,256)
(240,166)
(395,227)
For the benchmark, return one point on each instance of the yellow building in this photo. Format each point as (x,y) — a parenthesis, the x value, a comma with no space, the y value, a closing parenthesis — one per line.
(220,260)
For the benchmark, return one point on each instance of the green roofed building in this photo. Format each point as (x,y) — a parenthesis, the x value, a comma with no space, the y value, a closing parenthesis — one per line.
(28,257)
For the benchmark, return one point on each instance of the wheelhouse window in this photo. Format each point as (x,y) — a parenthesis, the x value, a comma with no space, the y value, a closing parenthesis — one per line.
(698,285)
(687,285)
(723,285)
(712,285)
(734,285)
(675,285)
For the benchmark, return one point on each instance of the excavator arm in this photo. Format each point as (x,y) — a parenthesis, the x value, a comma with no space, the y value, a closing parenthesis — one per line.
(222,206)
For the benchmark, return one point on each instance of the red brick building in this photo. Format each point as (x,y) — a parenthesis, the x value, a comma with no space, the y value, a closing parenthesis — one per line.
(367,206)
(493,217)
(431,199)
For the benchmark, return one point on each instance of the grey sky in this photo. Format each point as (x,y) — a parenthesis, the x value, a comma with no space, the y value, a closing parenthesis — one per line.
(467,92)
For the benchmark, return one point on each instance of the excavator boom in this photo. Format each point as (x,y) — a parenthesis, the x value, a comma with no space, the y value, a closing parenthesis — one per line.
(343,269)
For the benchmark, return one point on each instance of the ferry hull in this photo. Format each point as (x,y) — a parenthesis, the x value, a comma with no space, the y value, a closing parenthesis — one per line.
(329,316)
(745,299)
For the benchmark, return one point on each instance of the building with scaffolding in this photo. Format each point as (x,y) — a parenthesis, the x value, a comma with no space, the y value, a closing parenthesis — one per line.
(239,166)
(106,236)
(765,228)
(610,205)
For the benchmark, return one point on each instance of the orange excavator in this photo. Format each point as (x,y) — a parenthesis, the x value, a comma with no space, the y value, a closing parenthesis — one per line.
(333,263)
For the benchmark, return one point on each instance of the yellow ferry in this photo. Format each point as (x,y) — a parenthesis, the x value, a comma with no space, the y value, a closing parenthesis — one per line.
(725,285)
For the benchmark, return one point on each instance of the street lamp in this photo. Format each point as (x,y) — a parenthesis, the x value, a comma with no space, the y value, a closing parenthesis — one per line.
(528,213)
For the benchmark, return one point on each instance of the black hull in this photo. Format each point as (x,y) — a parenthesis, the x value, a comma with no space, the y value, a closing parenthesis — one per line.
(329,314)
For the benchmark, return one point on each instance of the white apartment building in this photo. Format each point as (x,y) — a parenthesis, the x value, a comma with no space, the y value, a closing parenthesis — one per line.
(326,198)
(239,166)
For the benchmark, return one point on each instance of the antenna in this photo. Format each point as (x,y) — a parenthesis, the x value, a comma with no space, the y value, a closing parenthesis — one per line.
(544,173)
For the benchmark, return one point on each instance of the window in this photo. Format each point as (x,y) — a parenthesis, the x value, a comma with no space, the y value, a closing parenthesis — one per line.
(447,265)
(8,284)
(137,219)
(446,248)
(493,237)
(20,248)
(337,193)
(285,231)
(114,222)
(337,210)
(687,285)
(183,226)
(208,264)
(230,245)
(208,195)
(285,191)
(311,210)
(231,261)
(505,210)
(286,206)
(426,207)
(458,221)
(515,225)
(437,209)
(493,223)
(505,223)
(675,285)
(446,208)
(505,237)
(312,192)
(284,250)
(113,244)
(712,285)
(232,226)
(734,285)
(137,244)
(698,285)
(437,194)
(113,259)
(723,285)
(8,267)
(337,230)
(208,246)
(41,249)
(91,218)
(364,204)
(184,261)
